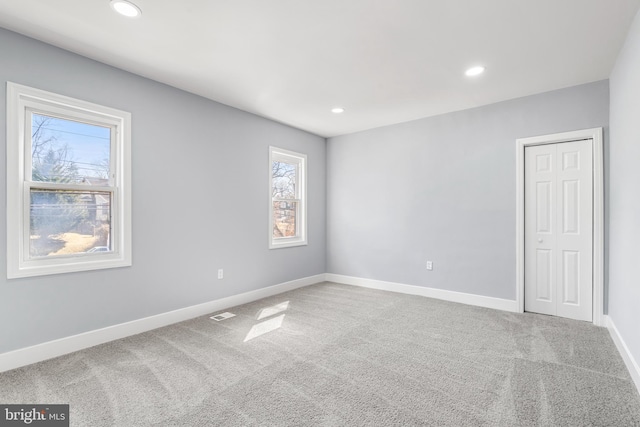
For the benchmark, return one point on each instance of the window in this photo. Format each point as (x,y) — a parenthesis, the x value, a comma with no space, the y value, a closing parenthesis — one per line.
(287,207)
(68,184)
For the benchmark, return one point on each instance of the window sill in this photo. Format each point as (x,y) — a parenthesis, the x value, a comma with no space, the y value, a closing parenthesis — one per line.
(43,267)
(287,243)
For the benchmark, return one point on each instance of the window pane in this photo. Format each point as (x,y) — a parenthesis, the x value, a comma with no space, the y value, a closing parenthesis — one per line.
(283,180)
(69,152)
(69,222)
(284,219)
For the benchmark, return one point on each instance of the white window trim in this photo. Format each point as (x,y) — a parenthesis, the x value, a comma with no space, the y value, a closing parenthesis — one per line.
(21,98)
(301,225)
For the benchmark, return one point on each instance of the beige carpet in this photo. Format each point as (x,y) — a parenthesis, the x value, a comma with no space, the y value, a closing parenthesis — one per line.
(336,355)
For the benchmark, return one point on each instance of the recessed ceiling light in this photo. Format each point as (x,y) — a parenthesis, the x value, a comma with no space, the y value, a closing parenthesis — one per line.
(337,110)
(126,8)
(475,71)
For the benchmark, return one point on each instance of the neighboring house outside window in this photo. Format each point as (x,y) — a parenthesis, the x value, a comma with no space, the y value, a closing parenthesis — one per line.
(287,207)
(68,184)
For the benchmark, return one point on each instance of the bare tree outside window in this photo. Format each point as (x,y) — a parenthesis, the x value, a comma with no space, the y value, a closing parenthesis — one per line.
(283,193)
(68,152)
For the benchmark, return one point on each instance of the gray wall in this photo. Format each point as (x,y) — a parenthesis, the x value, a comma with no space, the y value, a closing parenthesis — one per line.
(200,200)
(443,189)
(624,220)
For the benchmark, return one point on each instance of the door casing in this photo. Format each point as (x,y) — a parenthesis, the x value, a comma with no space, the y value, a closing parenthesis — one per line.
(595,135)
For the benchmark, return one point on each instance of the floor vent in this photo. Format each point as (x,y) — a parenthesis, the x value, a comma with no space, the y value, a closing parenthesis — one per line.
(222,316)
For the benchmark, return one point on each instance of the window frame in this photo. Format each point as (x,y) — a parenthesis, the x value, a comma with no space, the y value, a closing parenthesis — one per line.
(22,103)
(300,160)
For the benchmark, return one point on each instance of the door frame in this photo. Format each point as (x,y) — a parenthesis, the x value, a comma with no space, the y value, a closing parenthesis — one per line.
(596,135)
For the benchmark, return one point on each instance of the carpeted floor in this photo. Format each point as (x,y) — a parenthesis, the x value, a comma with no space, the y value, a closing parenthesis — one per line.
(336,355)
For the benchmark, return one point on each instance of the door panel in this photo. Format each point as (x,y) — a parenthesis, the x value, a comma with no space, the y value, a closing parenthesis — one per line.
(543,207)
(543,275)
(540,201)
(571,277)
(558,229)
(575,238)
(571,207)
(543,162)
(570,160)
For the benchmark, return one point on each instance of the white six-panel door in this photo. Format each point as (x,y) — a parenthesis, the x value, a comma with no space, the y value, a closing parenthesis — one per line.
(558,229)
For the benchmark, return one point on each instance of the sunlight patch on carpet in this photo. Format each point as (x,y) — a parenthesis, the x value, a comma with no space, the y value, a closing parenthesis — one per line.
(264,327)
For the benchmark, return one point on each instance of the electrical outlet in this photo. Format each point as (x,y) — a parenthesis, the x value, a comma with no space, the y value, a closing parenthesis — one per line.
(429,265)
(220,273)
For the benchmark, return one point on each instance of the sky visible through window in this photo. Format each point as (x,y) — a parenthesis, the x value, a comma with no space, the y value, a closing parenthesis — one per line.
(69,151)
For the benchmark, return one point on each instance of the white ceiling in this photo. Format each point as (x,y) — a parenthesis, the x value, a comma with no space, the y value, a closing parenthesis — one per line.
(384,61)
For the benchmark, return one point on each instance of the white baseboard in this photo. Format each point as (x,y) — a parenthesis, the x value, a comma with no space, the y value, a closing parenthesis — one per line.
(37,353)
(632,364)
(469,299)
